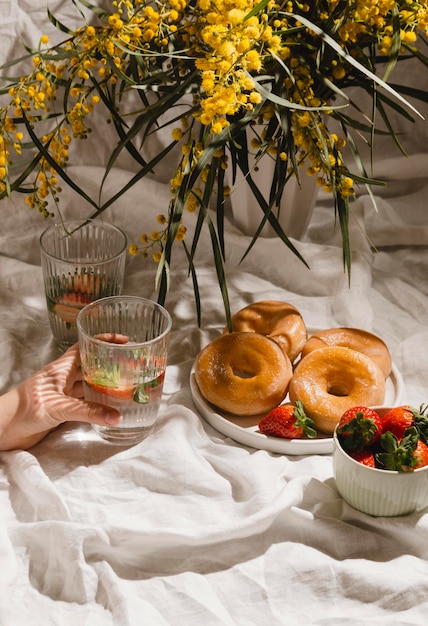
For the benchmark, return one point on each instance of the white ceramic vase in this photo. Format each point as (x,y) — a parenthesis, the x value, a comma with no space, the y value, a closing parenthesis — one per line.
(296,206)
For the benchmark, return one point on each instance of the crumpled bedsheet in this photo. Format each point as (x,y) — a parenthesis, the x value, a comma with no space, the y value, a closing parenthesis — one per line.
(190,527)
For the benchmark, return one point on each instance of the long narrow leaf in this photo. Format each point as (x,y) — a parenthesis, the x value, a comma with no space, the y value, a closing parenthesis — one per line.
(60,171)
(349,59)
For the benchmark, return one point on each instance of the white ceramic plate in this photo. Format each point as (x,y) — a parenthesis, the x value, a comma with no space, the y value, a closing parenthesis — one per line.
(244,429)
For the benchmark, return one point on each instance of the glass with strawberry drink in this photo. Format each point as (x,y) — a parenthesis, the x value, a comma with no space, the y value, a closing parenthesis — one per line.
(123,343)
(82,261)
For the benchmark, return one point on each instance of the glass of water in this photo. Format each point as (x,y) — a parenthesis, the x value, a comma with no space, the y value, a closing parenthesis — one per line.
(123,343)
(82,261)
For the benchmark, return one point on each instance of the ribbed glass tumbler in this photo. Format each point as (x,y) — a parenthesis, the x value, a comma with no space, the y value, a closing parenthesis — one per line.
(82,261)
(123,345)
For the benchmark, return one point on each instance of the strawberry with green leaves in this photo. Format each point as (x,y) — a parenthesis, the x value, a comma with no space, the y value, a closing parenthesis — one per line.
(359,427)
(421,421)
(398,419)
(289,422)
(420,454)
(405,454)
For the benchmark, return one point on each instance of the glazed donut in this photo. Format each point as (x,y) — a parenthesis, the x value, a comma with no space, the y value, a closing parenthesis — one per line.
(243,373)
(328,381)
(280,321)
(356,339)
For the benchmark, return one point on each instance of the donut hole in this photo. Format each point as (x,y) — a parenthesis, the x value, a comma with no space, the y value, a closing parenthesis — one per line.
(338,389)
(241,373)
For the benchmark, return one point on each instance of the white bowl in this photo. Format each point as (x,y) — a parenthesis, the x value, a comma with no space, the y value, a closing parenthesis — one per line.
(377,492)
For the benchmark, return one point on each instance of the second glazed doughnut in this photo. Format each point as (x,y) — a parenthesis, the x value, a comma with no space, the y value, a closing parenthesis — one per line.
(278,320)
(328,381)
(243,373)
(356,339)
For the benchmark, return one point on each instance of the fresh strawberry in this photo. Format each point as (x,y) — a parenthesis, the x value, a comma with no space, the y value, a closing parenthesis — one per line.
(289,422)
(397,420)
(364,456)
(421,454)
(403,455)
(421,421)
(359,427)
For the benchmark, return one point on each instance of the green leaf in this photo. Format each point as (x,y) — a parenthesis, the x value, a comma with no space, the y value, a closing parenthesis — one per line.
(60,171)
(350,59)
(269,95)
(398,456)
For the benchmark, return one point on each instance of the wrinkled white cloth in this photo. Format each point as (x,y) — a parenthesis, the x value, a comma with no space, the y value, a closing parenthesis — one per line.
(190,527)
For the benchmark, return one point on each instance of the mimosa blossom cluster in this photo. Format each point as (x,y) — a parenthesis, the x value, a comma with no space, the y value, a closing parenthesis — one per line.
(239,60)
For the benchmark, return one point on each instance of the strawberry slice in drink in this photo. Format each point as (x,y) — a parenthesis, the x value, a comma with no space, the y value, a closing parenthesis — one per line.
(119,394)
(69,304)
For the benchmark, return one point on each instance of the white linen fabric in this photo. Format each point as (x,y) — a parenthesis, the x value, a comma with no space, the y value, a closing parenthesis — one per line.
(189,527)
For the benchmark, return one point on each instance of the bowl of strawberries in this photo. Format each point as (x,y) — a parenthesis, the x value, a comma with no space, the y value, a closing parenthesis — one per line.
(380,459)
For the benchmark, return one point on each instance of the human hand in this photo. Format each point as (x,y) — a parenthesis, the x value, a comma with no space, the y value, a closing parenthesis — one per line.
(50,397)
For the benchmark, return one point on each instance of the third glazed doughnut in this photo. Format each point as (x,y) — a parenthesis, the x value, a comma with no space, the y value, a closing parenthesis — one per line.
(278,320)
